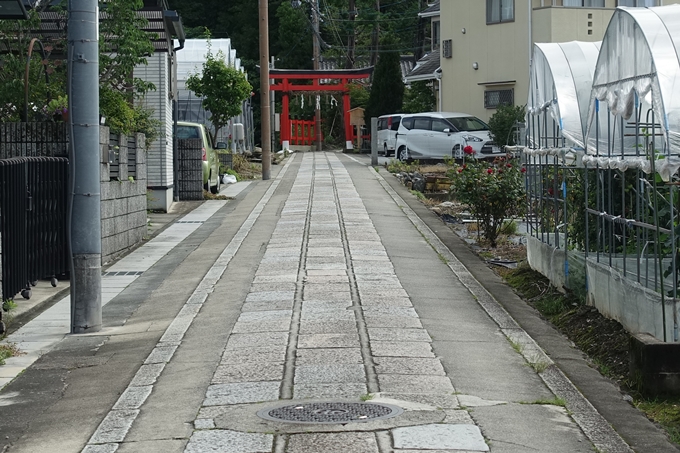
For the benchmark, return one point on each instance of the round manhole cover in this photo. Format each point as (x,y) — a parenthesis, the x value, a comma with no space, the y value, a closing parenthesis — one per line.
(331,412)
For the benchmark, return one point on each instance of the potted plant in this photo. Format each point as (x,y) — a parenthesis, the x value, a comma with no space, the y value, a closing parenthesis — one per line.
(57,108)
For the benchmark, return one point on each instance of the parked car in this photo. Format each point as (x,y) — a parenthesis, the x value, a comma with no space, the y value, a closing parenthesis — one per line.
(211,161)
(436,135)
(388,125)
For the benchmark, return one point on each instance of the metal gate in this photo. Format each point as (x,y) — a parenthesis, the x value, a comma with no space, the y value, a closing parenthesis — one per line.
(190,172)
(33,213)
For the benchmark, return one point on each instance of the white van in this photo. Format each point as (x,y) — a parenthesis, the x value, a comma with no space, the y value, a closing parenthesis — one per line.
(387,133)
(436,135)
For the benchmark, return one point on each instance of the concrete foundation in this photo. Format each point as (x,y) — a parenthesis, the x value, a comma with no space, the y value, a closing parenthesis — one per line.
(655,365)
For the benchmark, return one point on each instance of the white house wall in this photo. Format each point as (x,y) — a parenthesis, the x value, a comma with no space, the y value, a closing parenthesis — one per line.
(160,155)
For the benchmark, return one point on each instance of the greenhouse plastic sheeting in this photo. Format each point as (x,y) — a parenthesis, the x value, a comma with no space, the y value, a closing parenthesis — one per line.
(561,81)
(638,65)
(190,59)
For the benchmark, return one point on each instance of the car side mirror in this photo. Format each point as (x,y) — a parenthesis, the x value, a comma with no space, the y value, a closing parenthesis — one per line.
(221,145)
(447,130)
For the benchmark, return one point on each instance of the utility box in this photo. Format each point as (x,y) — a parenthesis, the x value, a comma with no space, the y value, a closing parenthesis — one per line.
(239,133)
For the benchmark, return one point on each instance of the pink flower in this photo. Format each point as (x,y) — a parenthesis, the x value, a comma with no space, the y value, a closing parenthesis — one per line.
(468,150)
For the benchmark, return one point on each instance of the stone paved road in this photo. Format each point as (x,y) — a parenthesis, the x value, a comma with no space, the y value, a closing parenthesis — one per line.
(320,287)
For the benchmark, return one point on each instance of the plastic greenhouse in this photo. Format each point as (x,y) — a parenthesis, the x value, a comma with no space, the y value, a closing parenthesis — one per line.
(611,196)
(190,61)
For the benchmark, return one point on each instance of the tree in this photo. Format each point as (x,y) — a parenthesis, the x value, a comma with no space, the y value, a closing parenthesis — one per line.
(419,98)
(222,88)
(502,123)
(15,36)
(387,91)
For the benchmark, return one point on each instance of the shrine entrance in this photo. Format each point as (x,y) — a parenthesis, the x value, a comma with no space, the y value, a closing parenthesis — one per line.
(293,81)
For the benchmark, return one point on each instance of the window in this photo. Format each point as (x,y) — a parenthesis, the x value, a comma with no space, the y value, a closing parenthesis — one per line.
(468,124)
(435,34)
(439,125)
(500,11)
(395,123)
(494,98)
(421,123)
(187,132)
(408,123)
(584,3)
(638,3)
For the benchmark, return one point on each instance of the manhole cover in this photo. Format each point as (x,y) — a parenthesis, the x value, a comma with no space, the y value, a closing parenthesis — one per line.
(332,412)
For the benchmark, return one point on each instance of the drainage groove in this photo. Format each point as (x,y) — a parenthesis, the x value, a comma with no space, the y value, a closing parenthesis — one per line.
(369,366)
(289,367)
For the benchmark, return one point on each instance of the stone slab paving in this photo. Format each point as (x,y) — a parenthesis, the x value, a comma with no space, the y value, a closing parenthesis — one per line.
(326,319)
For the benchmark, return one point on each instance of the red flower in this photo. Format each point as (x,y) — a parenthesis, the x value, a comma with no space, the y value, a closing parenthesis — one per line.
(550,191)
(489,170)
(468,150)
(460,170)
(523,170)
(509,165)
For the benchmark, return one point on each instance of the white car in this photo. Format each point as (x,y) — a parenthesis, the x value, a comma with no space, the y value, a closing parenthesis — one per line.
(438,135)
(388,125)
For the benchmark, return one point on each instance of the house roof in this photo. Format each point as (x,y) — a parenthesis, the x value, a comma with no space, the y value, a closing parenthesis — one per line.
(430,11)
(426,68)
(53,28)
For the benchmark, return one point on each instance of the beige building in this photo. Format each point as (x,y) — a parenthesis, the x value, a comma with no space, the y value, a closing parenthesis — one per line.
(485,45)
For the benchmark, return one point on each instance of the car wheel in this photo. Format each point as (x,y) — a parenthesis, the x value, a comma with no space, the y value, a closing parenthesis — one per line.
(402,154)
(385,151)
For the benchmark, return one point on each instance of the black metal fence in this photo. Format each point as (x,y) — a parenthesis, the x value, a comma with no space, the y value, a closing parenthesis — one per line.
(132,156)
(114,164)
(190,177)
(33,139)
(33,213)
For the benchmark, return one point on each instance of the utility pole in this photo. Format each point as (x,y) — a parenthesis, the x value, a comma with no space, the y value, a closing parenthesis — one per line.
(85,223)
(264,90)
(375,36)
(317,63)
(351,38)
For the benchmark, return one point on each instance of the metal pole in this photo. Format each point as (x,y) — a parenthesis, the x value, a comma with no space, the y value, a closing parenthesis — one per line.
(317,58)
(374,141)
(272,100)
(264,90)
(85,220)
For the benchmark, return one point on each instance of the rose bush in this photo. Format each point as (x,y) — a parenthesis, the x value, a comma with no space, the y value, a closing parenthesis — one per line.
(493,191)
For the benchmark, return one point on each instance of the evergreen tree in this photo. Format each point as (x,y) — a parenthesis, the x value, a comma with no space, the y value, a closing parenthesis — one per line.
(387,91)
(419,98)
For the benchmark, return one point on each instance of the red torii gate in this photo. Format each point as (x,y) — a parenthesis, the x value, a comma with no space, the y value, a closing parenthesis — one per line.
(284,82)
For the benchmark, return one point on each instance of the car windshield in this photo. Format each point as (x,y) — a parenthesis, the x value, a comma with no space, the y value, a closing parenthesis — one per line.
(187,132)
(468,124)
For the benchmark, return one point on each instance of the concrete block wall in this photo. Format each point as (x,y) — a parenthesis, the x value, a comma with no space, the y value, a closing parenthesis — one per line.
(123,202)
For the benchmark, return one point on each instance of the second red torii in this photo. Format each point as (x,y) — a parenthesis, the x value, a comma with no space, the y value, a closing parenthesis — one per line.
(284,82)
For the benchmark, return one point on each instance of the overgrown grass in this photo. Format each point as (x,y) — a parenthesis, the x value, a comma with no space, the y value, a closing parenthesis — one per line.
(666,412)
(8,350)
(418,195)
(397,166)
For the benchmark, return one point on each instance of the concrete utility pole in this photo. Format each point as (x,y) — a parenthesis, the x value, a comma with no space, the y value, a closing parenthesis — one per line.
(85,222)
(375,36)
(264,90)
(317,66)
(352,37)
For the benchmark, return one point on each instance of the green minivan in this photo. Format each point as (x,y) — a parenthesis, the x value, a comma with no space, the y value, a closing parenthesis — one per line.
(211,161)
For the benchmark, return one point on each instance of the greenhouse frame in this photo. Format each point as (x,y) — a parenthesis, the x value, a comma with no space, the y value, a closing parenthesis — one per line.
(603,136)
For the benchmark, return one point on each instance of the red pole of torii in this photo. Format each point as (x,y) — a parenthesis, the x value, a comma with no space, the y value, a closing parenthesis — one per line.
(288,81)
